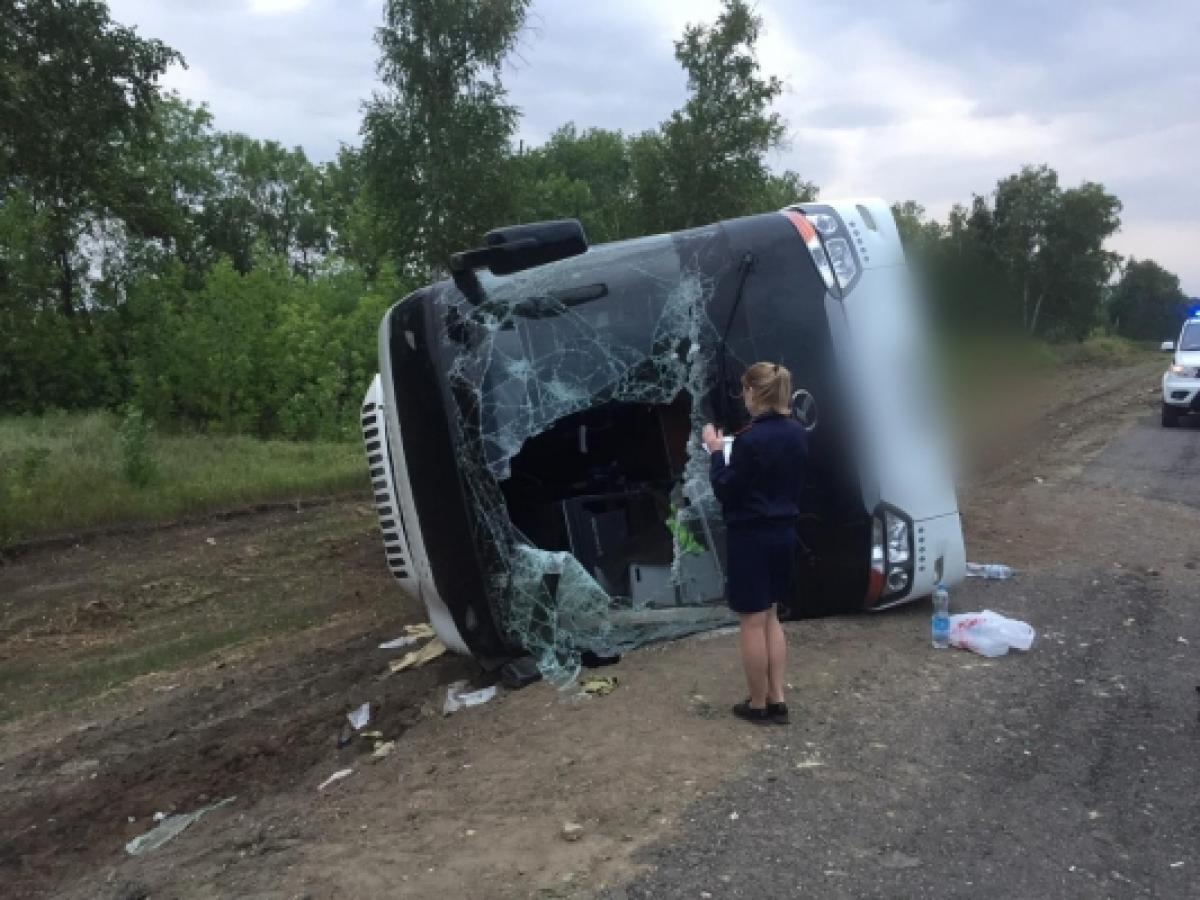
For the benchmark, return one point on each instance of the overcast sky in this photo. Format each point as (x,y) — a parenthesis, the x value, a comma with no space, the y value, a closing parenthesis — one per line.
(928,100)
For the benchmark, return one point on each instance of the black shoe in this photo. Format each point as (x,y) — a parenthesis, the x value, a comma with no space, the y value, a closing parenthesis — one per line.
(779,713)
(758,716)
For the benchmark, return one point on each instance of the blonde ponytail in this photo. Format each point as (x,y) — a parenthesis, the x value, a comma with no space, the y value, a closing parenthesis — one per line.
(770,386)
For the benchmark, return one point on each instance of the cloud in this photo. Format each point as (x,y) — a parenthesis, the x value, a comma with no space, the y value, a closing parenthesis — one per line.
(931,100)
(273,7)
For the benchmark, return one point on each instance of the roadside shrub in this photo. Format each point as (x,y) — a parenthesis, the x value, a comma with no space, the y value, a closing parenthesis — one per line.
(1102,349)
(133,439)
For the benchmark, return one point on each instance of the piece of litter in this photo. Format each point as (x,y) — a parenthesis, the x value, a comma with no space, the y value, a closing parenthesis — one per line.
(417,658)
(360,717)
(457,697)
(572,831)
(382,750)
(598,685)
(336,776)
(159,816)
(470,832)
(990,571)
(412,634)
(1176,865)
(1182,639)
(372,735)
(989,633)
(717,632)
(168,829)
(811,763)
(210,541)
(165,688)
(733,817)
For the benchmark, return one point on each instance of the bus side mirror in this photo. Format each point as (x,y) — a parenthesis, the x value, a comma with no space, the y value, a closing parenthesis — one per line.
(515,249)
(1167,347)
(520,247)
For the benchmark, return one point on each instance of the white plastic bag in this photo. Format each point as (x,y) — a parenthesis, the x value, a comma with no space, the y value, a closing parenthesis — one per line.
(989,633)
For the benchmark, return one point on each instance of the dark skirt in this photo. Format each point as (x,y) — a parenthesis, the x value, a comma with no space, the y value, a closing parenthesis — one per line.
(761,564)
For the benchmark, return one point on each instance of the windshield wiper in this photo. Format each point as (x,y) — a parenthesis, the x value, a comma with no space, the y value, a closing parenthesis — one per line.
(745,267)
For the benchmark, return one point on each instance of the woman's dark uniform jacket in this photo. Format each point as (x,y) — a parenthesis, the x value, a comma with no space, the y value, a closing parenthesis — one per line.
(759,489)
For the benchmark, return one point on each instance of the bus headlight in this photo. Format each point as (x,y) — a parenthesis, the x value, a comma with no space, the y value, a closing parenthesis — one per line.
(826,224)
(842,260)
(897,539)
(891,573)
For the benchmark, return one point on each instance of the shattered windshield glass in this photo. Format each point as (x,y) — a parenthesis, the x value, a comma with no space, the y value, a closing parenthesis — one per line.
(579,391)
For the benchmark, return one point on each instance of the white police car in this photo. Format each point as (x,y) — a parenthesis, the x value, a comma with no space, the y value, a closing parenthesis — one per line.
(1181,383)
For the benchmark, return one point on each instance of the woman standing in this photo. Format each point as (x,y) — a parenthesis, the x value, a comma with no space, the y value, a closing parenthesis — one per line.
(759,489)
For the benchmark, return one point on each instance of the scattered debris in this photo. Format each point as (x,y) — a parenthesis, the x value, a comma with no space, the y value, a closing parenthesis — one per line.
(572,831)
(717,632)
(412,634)
(990,571)
(383,750)
(989,633)
(336,776)
(360,717)
(457,697)
(598,685)
(168,829)
(418,658)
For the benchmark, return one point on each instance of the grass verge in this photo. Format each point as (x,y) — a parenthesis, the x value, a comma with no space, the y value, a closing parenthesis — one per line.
(65,472)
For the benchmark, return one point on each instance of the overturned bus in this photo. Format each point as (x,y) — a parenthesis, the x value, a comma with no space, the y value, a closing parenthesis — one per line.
(533,433)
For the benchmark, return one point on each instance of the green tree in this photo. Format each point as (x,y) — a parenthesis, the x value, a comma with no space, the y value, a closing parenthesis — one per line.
(711,163)
(1147,302)
(267,202)
(1050,246)
(1075,265)
(578,175)
(1024,205)
(436,140)
(76,91)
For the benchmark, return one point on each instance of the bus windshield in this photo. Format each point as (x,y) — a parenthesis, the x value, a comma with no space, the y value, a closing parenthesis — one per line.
(578,388)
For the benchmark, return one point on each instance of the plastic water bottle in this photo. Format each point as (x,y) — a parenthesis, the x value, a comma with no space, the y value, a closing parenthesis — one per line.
(941,617)
(991,571)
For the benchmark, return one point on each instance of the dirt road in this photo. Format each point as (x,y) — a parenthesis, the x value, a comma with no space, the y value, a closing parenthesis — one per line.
(1068,771)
